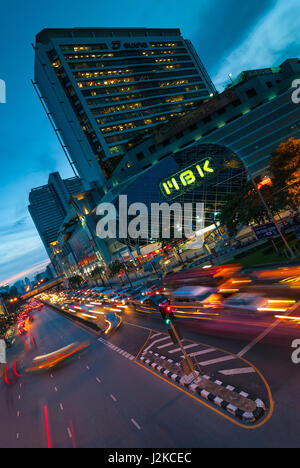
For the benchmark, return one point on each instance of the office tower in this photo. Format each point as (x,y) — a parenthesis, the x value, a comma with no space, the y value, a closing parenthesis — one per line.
(106,88)
(49,205)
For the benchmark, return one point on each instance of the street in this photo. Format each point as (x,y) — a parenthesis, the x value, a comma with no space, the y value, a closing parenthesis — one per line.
(105,398)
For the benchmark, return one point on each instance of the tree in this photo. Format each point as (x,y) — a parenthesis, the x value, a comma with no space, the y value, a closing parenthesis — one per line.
(75,280)
(116,267)
(285,168)
(97,273)
(244,208)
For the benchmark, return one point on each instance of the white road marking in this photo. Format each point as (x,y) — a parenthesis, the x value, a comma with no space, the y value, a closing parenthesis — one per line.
(138,326)
(98,380)
(69,432)
(136,424)
(185,347)
(55,388)
(113,398)
(241,370)
(87,367)
(156,341)
(265,332)
(155,335)
(217,360)
(61,406)
(204,351)
(166,345)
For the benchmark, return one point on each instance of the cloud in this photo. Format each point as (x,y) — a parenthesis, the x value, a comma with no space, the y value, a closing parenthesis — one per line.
(269,43)
(35,268)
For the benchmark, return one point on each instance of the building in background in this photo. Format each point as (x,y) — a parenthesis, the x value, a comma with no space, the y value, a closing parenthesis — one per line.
(252,117)
(49,205)
(107,87)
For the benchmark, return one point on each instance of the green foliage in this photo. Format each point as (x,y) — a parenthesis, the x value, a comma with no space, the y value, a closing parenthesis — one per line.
(75,280)
(245,207)
(116,267)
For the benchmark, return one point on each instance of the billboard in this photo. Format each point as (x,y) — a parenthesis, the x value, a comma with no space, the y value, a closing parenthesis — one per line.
(265,231)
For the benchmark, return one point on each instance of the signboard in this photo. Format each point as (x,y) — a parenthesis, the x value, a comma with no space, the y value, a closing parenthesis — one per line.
(265,231)
(213,105)
(116,45)
(188,179)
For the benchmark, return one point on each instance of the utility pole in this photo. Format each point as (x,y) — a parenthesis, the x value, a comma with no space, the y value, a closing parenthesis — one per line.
(271,217)
(168,317)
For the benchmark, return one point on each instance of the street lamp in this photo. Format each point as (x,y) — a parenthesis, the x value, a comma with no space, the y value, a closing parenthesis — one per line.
(271,217)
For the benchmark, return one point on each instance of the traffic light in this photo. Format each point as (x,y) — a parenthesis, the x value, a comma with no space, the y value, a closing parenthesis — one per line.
(167,313)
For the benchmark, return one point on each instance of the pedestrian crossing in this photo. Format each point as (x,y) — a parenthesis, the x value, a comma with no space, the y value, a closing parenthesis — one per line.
(220,361)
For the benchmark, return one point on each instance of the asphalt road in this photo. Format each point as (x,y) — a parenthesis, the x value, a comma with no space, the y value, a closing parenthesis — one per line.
(103,398)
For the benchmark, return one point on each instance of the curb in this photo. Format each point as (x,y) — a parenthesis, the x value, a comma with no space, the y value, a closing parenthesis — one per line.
(242,415)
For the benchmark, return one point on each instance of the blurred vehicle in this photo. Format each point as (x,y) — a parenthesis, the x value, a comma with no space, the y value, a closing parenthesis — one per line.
(233,285)
(211,277)
(150,304)
(48,361)
(120,300)
(195,297)
(257,304)
(66,305)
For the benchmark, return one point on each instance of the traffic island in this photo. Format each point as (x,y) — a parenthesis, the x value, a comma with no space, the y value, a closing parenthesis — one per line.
(236,402)
(83,322)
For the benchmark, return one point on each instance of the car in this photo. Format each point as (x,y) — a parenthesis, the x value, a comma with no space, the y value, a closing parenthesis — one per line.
(257,304)
(149,305)
(195,296)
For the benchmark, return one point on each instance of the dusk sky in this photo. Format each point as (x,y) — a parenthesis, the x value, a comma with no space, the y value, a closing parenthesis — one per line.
(229,36)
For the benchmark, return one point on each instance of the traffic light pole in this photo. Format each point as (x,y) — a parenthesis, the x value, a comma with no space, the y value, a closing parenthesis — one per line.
(185,354)
(269,212)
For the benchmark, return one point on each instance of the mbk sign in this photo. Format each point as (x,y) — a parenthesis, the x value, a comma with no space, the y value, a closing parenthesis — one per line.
(2,92)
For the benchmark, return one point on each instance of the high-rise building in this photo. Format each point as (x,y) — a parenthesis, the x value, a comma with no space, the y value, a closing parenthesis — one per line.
(251,117)
(49,205)
(106,88)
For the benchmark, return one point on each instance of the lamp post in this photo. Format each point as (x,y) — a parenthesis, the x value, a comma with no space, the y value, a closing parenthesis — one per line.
(271,217)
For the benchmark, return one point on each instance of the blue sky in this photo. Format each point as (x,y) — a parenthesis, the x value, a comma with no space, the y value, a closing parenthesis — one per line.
(229,36)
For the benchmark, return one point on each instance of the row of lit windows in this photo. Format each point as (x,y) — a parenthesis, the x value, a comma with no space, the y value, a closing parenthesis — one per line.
(140,105)
(79,48)
(129,135)
(137,61)
(105,82)
(139,95)
(95,74)
(89,56)
(130,125)
(124,53)
(146,86)
(139,123)
(129,79)
(165,44)
(109,110)
(132,115)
